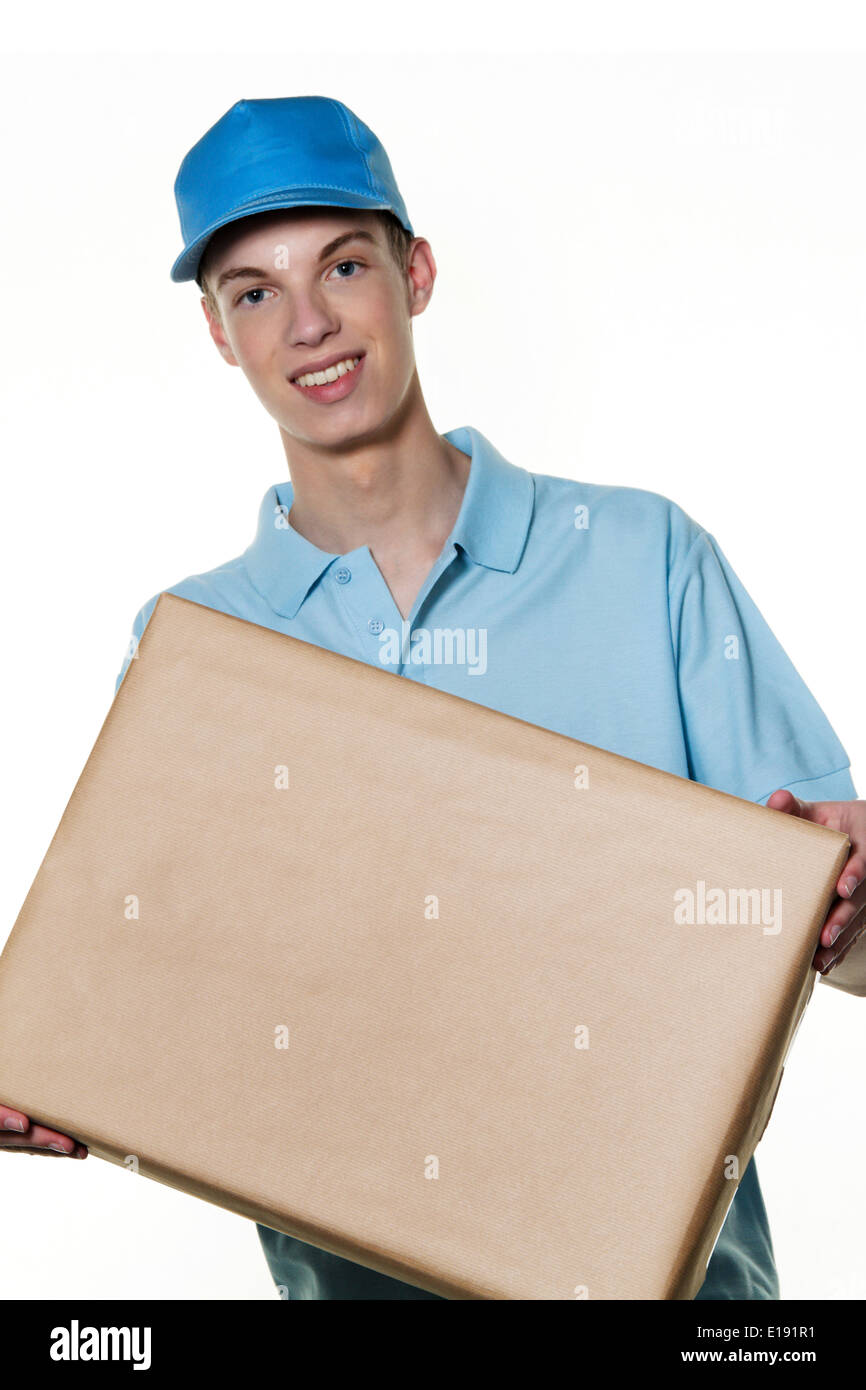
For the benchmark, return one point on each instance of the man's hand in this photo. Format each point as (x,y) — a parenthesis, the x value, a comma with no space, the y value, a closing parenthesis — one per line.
(847,916)
(17,1132)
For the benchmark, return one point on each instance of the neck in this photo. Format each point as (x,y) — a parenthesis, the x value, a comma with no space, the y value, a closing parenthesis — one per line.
(399,491)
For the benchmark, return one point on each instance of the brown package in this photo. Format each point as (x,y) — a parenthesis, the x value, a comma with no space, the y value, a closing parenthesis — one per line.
(403,976)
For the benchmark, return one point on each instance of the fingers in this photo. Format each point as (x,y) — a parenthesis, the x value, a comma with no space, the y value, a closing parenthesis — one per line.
(783,800)
(852,875)
(840,917)
(853,924)
(17,1132)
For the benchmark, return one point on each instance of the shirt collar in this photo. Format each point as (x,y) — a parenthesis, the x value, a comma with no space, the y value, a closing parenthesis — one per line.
(491,526)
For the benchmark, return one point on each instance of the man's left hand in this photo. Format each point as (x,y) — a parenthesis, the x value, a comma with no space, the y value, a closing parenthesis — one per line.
(847,916)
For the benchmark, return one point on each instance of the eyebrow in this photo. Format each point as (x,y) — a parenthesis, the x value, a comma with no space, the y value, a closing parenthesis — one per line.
(251,272)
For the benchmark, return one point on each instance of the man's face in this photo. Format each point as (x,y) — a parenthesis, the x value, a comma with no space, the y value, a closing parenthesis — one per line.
(288,297)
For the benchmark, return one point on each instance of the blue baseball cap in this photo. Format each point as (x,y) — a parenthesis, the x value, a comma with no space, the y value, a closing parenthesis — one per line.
(279,152)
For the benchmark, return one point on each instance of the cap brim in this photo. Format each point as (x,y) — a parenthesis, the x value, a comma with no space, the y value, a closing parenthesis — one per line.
(187,263)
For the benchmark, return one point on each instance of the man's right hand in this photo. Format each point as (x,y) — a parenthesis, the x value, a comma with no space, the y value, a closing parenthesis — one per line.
(18,1132)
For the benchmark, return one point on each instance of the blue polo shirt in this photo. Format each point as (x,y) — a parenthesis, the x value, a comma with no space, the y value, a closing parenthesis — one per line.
(601,612)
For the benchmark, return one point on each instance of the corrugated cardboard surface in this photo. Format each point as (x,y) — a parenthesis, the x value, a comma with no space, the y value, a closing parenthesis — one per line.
(431,1115)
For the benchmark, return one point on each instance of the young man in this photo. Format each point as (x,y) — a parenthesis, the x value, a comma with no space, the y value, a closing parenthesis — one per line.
(607,613)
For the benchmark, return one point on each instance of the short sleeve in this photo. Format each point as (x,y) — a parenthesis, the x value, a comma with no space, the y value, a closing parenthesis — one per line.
(140,622)
(750,722)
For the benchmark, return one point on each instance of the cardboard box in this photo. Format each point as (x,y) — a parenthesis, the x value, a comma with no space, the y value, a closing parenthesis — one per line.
(429,952)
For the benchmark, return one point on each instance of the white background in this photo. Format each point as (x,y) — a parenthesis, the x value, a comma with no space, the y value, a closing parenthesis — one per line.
(652,272)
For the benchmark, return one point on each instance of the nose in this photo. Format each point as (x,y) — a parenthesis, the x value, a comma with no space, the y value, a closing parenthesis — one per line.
(309,322)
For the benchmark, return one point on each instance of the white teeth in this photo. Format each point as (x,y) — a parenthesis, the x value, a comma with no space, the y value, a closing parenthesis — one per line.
(330,374)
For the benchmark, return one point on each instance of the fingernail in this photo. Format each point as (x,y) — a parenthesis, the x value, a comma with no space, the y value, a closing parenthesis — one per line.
(850,885)
(10,1123)
(59,1148)
(834,931)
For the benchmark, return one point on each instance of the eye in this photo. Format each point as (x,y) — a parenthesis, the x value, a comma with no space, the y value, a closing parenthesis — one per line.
(339,266)
(258,289)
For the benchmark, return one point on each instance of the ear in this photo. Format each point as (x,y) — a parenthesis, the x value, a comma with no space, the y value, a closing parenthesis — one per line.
(421,276)
(219,337)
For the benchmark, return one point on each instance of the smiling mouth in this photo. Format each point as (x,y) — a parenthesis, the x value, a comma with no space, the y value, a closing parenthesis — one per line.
(334,389)
(321,378)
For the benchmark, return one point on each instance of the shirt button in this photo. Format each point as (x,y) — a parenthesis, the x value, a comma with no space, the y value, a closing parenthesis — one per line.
(342,575)
(375,625)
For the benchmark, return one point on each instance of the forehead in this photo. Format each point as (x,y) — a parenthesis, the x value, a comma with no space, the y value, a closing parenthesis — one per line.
(305,230)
